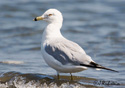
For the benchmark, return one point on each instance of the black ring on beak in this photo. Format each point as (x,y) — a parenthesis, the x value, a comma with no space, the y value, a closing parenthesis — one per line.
(35,19)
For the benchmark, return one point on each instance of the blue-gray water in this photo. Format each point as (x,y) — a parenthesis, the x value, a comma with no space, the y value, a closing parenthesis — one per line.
(98,26)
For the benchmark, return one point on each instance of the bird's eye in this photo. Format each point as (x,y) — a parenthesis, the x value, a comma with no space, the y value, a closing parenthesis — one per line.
(50,14)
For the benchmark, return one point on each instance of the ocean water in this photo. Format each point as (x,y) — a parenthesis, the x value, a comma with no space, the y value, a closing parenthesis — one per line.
(98,26)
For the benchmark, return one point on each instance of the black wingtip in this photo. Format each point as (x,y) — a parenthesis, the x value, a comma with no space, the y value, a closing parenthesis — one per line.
(99,66)
(95,65)
(109,69)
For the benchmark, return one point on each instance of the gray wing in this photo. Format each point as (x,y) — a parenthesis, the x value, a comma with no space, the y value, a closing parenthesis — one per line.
(67,52)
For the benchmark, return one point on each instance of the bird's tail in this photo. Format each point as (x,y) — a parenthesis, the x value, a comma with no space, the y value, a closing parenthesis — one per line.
(95,65)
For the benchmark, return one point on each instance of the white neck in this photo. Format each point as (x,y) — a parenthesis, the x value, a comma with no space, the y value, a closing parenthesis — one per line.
(52,31)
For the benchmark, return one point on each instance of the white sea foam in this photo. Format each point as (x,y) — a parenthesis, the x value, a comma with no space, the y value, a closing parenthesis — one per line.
(32,84)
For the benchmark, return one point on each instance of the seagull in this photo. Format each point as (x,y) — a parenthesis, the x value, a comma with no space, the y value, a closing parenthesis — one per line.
(60,53)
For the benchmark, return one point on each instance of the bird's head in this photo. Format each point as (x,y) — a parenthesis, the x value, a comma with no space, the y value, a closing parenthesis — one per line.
(51,15)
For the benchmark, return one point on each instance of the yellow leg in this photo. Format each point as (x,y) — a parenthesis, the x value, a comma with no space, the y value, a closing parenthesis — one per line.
(71,76)
(58,77)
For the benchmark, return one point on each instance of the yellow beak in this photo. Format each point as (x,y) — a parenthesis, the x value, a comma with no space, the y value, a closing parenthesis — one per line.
(38,18)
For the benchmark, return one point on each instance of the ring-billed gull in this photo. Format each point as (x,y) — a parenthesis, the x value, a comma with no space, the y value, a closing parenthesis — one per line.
(60,53)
